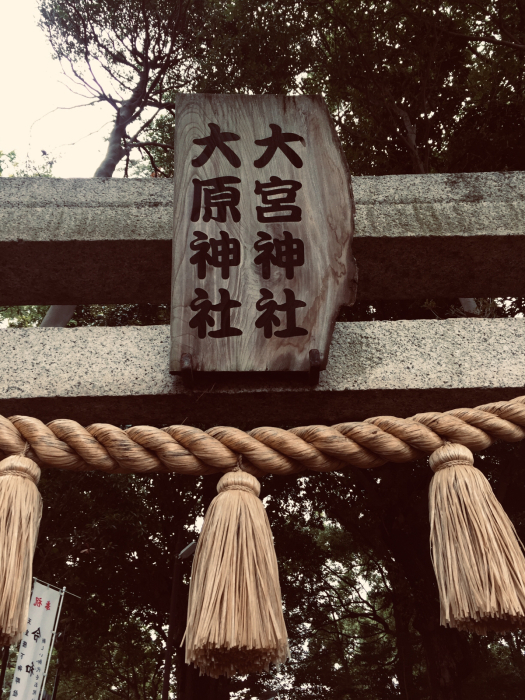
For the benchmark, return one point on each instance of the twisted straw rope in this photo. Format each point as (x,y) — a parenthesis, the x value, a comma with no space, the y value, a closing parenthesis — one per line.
(65,444)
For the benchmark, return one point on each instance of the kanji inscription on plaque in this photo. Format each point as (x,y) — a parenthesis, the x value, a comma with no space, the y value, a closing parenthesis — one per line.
(263,225)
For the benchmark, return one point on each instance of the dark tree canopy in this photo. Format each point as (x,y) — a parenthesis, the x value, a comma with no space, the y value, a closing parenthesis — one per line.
(413,86)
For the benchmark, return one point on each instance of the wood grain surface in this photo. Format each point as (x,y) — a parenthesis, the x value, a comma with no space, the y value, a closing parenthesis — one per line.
(270,313)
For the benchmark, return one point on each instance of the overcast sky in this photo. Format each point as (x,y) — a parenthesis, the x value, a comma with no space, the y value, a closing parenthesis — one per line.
(31,86)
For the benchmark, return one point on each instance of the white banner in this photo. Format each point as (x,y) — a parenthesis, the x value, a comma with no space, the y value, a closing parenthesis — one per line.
(36,643)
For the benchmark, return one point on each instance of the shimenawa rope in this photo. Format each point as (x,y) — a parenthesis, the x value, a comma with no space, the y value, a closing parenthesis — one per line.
(240,629)
(65,444)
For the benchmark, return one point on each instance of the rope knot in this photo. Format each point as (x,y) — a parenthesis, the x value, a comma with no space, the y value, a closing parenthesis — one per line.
(17,465)
(451,454)
(239,481)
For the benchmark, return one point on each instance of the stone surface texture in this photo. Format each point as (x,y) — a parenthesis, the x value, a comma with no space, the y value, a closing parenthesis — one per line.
(109,240)
(121,375)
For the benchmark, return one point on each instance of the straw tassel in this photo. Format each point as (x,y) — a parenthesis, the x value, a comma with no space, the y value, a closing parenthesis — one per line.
(477,556)
(235,620)
(20,514)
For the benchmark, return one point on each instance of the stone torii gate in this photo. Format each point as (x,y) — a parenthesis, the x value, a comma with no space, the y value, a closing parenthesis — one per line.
(109,241)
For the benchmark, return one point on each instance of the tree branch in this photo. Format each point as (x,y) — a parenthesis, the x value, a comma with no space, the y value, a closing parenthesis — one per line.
(140,144)
(483,39)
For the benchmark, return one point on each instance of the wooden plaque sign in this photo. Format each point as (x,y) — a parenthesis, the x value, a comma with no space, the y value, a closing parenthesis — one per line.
(263,224)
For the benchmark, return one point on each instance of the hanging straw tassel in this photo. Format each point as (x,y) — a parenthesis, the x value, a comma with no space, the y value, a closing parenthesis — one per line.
(477,556)
(20,513)
(235,620)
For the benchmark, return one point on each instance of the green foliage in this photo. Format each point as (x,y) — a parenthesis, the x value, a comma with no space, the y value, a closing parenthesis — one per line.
(92,315)
(111,540)
(389,84)
(121,315)
(125,666)
(10,165)
(22,316)
(7,160)
(341,610)
(110,32)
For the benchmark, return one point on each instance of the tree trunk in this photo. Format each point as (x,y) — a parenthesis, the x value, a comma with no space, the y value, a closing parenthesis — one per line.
(125,115)
(403,544)
(58,316)
(410,139)
(446,650)
(5,659)
(469,305)
(446,655)
(402,607)
(115,151)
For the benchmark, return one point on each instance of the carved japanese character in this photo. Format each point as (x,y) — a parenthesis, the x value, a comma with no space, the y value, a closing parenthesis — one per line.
(216,139)
(286,253)
(268,318)
(203,318)
(278,197)
(223,252)
(275,141)
(217,195)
